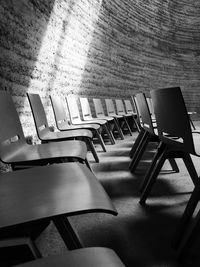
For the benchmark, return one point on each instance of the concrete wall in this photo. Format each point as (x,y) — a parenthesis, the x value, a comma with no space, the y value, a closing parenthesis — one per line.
(98,48)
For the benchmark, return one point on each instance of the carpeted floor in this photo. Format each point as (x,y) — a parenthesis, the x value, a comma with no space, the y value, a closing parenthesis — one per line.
(141,236)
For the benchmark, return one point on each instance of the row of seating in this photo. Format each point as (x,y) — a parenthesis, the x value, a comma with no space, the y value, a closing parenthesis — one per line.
(71,125)
(164,119)
(156,121)
(60,185)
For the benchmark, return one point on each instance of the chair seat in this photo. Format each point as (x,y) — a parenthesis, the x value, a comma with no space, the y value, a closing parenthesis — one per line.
(73,149)
(95,120)
(85,257)
(45,192)
(125,114)
(51,136)
(107,118)
(116,116)
(79,126)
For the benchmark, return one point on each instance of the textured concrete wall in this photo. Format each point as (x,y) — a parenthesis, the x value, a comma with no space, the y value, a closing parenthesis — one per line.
(98,48)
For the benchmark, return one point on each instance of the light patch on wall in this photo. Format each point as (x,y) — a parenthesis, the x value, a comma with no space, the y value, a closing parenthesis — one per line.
(65,45)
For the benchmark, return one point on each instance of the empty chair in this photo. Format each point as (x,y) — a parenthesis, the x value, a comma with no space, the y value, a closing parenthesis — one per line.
(149,134)
(130,118)
(112,113)
(130,110)
(63,120)
(90,257)
(76,118)
(31,198)
(169,147)
(173,120)
(44,133)
(100,114)
(14,149)
(87,116)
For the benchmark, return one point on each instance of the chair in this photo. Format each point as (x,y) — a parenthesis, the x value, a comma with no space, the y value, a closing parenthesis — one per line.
(31,198)
(190,113)
(100,114)
(76,118)
(170,134)
(129,110)
(63,121)
(14,149)
(112,113)
(91,257)
(87,116)
(130,118)
(173,120)
(43,130)
(149,134)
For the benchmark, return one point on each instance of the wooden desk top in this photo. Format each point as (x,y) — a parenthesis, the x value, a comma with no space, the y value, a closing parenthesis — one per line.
(44,192)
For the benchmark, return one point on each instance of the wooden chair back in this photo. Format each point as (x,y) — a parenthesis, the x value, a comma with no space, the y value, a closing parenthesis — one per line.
(73,109)
(120,107)
(61,116)
(144,112)
(110,107)
(39,115)
(11,133)
(98,107)
(150,105)
(85,106)
(129,107)
(172,118)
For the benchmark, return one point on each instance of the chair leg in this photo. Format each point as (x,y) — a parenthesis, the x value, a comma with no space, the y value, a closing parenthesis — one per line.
(119,130)
(68,234)
(88,165)
(159,151)
(139,152)
(191,169)
(137,146)
(186,217)
(189,236)
(127,125)
(153,177)
(173,164)
(136,124)
(100,140)
(136,143)
(92,149)
(109,134)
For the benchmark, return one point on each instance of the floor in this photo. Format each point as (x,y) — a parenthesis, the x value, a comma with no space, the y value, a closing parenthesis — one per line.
(141,236)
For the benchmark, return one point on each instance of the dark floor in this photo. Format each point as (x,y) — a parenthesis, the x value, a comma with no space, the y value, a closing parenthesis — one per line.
(141,236)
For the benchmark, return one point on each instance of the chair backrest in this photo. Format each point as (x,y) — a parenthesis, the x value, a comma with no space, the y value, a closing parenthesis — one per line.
(110,107)
(144,112)
(39,115)
(120,106)
(136,108)
(150,105)
(73,109)
(172,118)
(61,116)
(11,132)
(98,107)
(129,107)
(85,106)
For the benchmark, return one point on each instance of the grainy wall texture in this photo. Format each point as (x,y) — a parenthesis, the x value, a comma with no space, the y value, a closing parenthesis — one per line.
(98,48)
